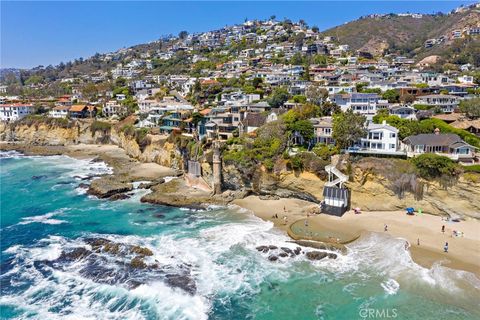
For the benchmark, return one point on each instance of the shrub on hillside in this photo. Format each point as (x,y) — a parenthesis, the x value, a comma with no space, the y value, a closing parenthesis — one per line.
(430,166)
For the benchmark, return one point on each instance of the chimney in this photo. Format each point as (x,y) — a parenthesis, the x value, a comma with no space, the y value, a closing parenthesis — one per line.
(437,131)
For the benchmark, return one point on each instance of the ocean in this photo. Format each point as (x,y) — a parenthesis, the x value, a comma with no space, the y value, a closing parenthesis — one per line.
(203,264)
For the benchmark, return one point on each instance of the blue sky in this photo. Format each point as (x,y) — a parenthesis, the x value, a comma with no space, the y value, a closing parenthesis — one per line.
(43,33)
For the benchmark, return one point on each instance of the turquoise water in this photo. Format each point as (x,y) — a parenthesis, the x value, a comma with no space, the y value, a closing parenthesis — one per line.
(44,212)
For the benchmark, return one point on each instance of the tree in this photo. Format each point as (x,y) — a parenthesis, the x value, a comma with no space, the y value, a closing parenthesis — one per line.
(330,108)
(256,82)
(430,165)
(391,95)
(315,94)
(348,128)
(90,91)
(278,98)
(303,127)
(470,107)
(315,29)
(182,34)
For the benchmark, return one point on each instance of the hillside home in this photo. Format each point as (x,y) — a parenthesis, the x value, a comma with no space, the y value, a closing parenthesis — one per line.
(404,112)
(445,102)
(323,129)
(59,112)
(381,139)
(113,108)
(448,144)
(366,104)
(13,112)
(82,111)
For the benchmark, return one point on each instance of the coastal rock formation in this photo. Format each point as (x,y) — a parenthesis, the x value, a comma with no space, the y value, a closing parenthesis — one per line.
(373,191)
(111,262)
(109,186)
(175,193)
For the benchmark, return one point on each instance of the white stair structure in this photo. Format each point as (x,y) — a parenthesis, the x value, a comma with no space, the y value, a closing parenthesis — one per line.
(336,197)
(335,177)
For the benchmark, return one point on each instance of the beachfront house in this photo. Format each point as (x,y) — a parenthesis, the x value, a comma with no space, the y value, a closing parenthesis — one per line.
(82,111)
(13,112)
(381,139)
(59,112)
(447,144)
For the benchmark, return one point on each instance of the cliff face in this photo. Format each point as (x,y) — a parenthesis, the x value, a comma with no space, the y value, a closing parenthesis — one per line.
(371,190)
(374,193)
(158,151)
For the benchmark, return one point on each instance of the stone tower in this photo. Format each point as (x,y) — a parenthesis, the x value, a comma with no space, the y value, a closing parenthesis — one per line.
(217,169)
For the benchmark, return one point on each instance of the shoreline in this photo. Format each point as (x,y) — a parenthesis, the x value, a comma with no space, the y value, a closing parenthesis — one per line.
(464,253)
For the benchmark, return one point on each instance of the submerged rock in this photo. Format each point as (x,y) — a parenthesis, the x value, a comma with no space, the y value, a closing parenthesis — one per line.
(182,281)
(316,255)
(75,254)
(138,263)
(263,249)
(272,258)
(119,196)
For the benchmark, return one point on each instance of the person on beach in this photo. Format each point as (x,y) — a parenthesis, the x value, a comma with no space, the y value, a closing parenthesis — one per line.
(284,209)
(443,229)
(385,228)
(306,222)
(285,220)
(418,241)
(445,248)
(407,245)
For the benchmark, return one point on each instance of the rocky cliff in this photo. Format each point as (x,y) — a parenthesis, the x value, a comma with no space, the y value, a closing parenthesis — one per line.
(374,182)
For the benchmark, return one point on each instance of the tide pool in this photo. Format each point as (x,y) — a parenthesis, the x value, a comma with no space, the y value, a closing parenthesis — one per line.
(45,213)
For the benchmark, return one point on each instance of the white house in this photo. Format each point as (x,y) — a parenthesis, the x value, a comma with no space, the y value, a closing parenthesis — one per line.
(59,112)
(112,108)
(381,138)
(447,103)
(13,112)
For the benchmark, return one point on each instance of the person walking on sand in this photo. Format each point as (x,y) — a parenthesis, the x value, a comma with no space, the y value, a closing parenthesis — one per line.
(306,222)
(284,209)
(385,228)
(285,220)
(443,229)
(418,241)
(445,248)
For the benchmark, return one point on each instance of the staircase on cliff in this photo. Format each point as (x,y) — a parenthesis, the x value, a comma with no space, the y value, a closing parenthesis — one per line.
(336,195)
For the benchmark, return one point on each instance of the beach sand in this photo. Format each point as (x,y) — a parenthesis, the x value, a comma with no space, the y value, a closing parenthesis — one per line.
(464,252)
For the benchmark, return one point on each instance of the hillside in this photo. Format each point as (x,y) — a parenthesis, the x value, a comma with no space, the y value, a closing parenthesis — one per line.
(403,34)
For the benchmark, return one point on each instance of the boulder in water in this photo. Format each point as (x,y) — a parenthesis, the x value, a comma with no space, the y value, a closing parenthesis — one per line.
(316,255)
(182,281)
(75,254)
(272,258)
(263,249)
(138,263)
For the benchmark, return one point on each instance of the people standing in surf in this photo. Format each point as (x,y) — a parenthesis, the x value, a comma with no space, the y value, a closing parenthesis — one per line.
(445,248)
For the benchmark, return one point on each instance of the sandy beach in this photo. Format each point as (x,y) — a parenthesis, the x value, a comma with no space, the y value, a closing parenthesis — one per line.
(463,254)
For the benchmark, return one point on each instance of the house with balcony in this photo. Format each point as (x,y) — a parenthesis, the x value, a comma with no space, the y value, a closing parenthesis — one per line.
(59,112)
(367,104)
(447,144)
(323,129)
(222,122)
(446,103)
(113,108)
(403,112)
(16,111)
(381,139)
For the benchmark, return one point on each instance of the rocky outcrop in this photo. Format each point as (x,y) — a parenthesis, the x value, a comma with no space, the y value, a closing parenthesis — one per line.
(175,193)
(109,186)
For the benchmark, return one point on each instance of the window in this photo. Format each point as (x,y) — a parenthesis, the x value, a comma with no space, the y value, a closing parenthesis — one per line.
(392,135)
(392,146)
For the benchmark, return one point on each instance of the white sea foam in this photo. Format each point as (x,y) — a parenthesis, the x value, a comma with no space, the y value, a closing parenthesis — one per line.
(44,218)
(390,286)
